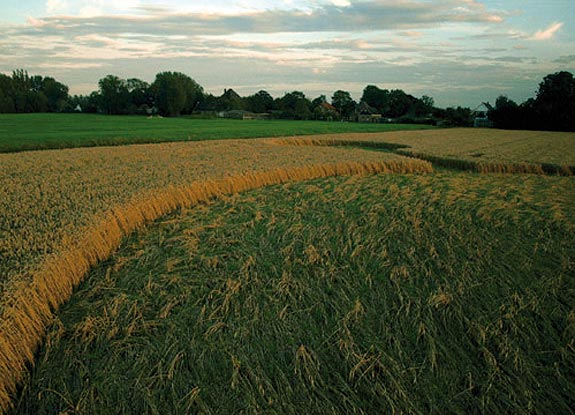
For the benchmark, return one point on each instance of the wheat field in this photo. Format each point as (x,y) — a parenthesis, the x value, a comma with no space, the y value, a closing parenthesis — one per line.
(483,150)
(443,293)
(64,211)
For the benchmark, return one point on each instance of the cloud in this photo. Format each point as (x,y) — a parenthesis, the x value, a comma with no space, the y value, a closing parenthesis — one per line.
(547,33)
(566,60)
(56,6)
(333,44)
(361,16)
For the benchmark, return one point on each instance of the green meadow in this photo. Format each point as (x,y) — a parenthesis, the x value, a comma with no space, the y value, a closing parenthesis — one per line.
(20,132)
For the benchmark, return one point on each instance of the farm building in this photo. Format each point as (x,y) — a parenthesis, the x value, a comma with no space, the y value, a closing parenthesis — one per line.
(326,111)
(366,113)
(243,115)
(480,116)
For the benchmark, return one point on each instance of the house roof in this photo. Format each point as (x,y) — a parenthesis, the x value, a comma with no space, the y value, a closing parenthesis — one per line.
(364,108)
(328,107)
(230,93)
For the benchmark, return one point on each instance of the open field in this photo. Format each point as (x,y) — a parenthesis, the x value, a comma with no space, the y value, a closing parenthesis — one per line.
(50,197)
(535,151)
(445,293)
(40,131)
(64,211)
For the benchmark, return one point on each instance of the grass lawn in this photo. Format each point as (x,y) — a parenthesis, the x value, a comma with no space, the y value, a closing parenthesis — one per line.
(41,131)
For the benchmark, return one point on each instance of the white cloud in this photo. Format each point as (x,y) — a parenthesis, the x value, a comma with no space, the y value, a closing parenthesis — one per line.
(56,6)
(547,33)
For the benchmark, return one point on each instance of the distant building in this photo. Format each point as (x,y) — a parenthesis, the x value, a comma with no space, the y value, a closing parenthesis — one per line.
(366,113)
(480,116)
(243,115)
(327,112)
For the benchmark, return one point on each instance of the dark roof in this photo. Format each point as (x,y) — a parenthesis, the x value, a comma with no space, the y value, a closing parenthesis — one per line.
(364,108)
(230,93)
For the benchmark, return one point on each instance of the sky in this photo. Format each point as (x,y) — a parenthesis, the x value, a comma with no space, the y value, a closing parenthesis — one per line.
(460,52)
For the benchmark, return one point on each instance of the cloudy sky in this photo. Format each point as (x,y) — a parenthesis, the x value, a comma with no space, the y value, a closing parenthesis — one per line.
(460,52)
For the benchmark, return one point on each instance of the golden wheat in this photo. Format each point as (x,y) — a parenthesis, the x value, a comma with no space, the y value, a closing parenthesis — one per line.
(481,150)
(77,205)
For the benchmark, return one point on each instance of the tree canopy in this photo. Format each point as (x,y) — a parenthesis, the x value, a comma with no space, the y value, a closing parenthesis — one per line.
(176,93)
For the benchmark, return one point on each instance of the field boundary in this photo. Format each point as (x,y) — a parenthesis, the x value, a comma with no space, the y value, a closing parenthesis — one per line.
(30,305)
(484,167)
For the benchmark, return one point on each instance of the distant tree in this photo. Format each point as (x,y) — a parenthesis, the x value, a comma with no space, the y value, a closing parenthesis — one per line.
(302,110)
(25,93)
(140,95)
(505,114)
(114,95)
(376,98)
(343,102)
(56,93)
(400,103)
(427,104)
(458,117)
(6,94)
(294,105)
(176,93)
(261,101)
(555,102)
(322,99)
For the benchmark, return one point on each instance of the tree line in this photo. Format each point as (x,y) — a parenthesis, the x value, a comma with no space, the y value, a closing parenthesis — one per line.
(175,94)
(552,108)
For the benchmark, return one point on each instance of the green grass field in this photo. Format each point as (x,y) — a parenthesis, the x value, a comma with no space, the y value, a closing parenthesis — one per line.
(444,293)
(42,131)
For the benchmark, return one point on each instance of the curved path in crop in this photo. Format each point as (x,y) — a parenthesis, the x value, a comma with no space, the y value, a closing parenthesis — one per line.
(64,211)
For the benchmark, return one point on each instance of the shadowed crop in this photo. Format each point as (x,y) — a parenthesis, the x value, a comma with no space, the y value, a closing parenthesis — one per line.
(65,211)
(480,150)
(450,293)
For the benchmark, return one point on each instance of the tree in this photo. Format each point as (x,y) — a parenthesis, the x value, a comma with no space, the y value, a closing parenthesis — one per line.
(56,94)
(294,105)
(6,94)
(505,114)
(458,117)
(176,93)
(261,101)
(376,98)
(140,96)
(343,102)
(400,103)
(114,95)
(555,102)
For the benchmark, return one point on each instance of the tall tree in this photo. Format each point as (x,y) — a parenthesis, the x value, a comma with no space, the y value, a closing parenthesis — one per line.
(56,94)
(505,114)
(555,101)
(140,95)
(376,98)
(261,101)
(114,95)
(343,102)
(176,93)
(6,94)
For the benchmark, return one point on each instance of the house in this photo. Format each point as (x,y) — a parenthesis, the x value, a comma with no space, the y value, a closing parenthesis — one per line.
(366,113)
(243,115)
(480,116)
(326,111)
